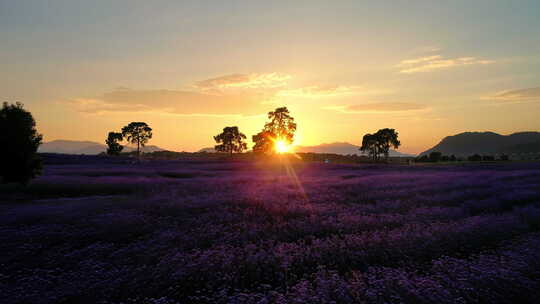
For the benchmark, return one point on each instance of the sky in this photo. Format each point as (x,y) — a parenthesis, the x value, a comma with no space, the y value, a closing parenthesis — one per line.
(428,69)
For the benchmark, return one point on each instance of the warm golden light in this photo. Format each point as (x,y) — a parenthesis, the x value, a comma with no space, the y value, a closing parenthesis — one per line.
(282,146)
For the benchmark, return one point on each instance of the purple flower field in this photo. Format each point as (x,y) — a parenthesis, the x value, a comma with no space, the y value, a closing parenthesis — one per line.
(94,230)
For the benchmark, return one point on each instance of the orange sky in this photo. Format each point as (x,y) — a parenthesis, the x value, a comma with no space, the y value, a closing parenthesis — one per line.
(187,69)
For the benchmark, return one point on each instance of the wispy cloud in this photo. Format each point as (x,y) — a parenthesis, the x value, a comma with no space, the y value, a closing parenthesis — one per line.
(172,102)
(379,107)
(320,91)
(234,94)
(245,81)
(436,62)
(428,49)
(521,95)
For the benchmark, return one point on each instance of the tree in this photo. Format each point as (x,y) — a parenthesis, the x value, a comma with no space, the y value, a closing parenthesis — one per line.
(137,133)
(231,140)
(387,138)
(435,156)
(422,159)
(475,157)
(19,141)
(113,147)
(264,142)
(380,143)
(281,127)
(370,144)
(281,124)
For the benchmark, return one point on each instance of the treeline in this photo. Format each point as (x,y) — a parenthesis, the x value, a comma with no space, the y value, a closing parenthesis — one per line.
(436,156)
(19,142)
(250,155)
(277,136)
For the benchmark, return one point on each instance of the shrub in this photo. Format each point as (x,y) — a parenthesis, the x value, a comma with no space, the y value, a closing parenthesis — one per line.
(474,157)
(435,156)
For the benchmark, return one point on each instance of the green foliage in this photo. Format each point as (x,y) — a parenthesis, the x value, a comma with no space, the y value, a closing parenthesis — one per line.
(19,141)
(138,133)
(113,147)
(230,141)
(280,127)
(380,143)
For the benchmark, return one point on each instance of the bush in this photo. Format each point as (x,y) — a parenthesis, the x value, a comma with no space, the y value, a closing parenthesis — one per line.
(474,157)
(504,157)
(488,158)
(435,156)
(19,141)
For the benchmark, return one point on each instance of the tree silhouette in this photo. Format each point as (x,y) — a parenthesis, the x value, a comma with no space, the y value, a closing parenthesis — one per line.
(137,133)
(380,143)
(113,147)
(264,142)
(370,144)
(19,141)
(281,124)
(280,127)
(387,138)
(231,140)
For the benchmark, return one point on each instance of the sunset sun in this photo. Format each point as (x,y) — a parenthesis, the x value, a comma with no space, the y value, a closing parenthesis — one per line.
(282,146)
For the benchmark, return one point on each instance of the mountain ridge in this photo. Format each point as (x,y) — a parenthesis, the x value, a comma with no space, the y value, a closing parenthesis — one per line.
(468,143)
(65,146)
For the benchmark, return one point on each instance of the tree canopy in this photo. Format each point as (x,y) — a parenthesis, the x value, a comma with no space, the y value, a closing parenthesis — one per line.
(138,133)
(380,143)
(19,141)
(281,126)
(231,140)
(113,147)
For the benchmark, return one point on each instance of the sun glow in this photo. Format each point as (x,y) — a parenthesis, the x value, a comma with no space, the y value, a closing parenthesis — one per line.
(282,146)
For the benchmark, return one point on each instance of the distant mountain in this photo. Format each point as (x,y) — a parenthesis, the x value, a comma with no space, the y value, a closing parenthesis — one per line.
(207,150)
(343,148)
(487,143)
(84,147)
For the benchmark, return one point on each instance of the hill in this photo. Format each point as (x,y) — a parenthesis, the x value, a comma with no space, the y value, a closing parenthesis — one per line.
(84,147)
(468,143)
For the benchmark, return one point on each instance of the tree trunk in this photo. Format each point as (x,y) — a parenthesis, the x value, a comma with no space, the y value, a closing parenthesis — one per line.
(138,149)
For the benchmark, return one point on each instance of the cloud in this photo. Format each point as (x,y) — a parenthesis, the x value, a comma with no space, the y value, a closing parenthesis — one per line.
(319,91)
(173,102)
(234,94)
(430,63)
(380,107)
(409,62)
(529,94)
(428,49)
(245,81)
